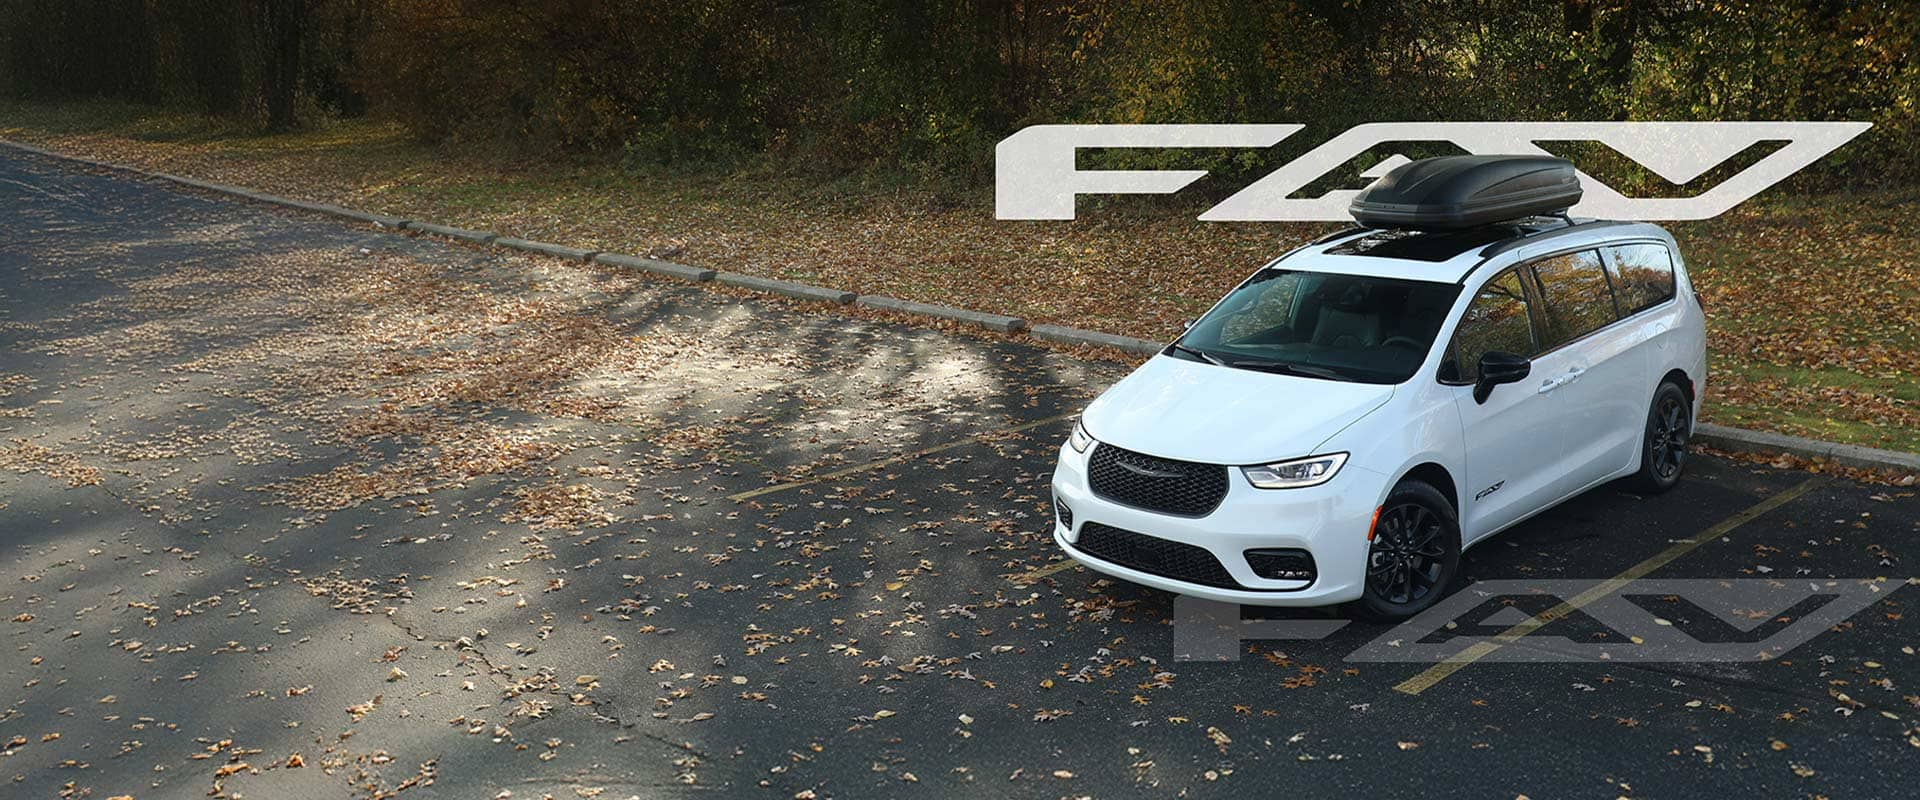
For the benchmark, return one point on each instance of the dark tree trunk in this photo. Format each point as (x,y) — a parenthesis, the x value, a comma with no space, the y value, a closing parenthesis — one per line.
(140,83)
(284,22)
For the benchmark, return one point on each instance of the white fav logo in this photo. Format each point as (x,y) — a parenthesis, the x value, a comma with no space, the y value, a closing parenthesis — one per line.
(1035,176)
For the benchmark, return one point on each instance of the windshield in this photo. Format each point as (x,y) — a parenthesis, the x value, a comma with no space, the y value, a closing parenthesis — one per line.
(1322,325)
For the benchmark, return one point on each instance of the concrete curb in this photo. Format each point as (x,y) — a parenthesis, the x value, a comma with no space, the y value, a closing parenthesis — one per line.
(654,265)
(476,237)
(207,185)
(1066,335)
(222,188)
(1741,440)
(1732,439)
(546,248)
(995,322)
(381,220)
(802,291)
(41,151)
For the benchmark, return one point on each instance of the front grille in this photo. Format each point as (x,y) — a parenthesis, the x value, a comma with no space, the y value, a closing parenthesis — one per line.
(1182,488)
(1153,555)
(1064,512)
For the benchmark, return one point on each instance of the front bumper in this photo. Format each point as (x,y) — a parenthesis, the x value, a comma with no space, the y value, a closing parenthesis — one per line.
(1329,521)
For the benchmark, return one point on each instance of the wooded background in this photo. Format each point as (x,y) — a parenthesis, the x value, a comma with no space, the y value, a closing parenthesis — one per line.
(931,86)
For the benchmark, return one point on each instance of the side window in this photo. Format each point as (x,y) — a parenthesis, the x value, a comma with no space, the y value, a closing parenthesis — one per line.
(1575,296)
(1495,320)
(1642,275)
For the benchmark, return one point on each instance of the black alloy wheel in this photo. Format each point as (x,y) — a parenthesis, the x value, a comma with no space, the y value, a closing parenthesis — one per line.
(1414,553)
(1405,562)
(1670,431)
(1663,455)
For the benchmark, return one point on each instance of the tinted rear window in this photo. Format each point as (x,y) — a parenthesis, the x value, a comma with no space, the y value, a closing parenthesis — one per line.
(1642,275)
(1575,297)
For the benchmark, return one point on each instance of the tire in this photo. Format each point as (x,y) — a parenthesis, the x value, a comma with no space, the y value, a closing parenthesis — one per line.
(1414,554)
(1663,447)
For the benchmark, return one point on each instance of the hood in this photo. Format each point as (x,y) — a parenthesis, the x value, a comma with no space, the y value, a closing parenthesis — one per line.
(1189,411)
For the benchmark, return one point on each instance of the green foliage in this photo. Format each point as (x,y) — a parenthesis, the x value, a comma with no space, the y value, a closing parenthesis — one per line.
(928,86)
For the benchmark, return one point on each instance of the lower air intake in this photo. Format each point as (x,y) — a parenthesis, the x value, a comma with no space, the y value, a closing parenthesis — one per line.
(1154,556)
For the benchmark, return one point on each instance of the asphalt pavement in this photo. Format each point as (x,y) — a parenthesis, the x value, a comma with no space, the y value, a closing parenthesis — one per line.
(295,508)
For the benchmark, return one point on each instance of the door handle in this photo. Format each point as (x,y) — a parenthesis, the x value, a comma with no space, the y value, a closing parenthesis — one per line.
(1565,378)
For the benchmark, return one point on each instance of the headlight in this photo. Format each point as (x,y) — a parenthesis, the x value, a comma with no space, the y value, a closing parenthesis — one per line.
(1295,474)
(1079,440)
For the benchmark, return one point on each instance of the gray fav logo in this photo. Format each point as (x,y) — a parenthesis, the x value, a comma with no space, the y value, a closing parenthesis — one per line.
(1036,178)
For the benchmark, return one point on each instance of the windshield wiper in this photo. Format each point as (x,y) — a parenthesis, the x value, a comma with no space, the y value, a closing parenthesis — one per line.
(1199,354)
(1284,368)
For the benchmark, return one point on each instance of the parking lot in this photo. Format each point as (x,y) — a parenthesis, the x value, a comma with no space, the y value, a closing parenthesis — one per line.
(295,508)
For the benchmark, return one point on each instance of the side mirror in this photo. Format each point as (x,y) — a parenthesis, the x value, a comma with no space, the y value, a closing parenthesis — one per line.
(1186,325)
(1498,367)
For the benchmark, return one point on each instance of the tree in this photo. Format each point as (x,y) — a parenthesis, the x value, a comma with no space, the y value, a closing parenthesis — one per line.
(285,20)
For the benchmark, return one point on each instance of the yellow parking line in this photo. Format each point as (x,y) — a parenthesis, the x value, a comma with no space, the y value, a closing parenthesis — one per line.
(1058,566)
(1438,672)
(900,459)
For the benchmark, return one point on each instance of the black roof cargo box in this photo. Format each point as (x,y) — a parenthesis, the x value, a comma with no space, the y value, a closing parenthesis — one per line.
(1455,192)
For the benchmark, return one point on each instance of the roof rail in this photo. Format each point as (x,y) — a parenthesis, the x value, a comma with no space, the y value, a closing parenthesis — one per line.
(1546,233)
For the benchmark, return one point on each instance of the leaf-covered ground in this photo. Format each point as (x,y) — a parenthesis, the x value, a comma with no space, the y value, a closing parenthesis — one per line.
(1814,302)
(294,508)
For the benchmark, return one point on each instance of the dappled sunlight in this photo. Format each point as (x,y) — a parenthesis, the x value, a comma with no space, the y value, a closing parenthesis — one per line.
(1804,344)
(313,509)
(309,491)
(457,505)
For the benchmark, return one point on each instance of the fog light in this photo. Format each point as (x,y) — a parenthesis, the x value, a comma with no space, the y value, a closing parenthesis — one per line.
(1065,514)
(1282,564)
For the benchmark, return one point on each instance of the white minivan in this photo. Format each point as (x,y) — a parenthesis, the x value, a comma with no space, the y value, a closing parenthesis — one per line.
(1358,412)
